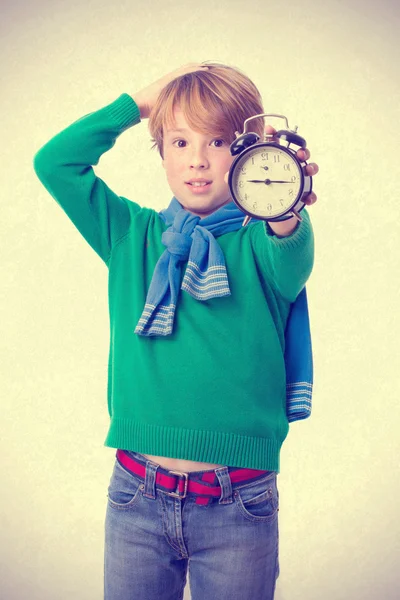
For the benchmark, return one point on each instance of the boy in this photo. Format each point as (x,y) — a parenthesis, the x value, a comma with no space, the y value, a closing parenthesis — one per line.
(198,309)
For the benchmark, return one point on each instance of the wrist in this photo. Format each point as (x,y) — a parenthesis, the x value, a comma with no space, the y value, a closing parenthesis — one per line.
(283,228)
(142,106)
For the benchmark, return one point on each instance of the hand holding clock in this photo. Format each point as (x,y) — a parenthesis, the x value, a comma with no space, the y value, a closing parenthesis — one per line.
(303,154)
(311,169)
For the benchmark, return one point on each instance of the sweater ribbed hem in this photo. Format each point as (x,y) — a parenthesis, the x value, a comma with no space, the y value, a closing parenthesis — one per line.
(202,446)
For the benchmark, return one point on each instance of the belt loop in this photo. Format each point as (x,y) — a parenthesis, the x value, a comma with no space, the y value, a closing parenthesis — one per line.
(226,485)
(150,480)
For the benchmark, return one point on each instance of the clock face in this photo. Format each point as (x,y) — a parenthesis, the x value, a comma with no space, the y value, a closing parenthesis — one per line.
(266,180)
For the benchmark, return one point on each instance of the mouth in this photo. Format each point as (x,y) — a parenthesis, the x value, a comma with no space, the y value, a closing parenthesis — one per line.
(198,188)
(198,182)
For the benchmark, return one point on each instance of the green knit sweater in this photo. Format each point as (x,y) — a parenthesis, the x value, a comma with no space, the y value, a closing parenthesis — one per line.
(215,390)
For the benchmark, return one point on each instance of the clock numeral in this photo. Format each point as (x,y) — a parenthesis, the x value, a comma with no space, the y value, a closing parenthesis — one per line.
(281,201)
(269,207)
(243,171)
(264,155)
(241,184)
(252,160)
(290,192)
(255,205)
(276,158)
(293,178)
(245,197)
(286,167)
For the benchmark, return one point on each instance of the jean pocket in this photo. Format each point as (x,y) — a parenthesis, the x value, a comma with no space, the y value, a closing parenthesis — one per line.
(124,488)
(259,502)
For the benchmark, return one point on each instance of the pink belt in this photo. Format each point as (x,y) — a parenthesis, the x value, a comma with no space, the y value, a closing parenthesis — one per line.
(204,485)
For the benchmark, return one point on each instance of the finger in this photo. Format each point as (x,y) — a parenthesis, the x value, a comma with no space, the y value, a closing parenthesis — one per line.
(303,154)
(310,199)
(270,130)
(312,169)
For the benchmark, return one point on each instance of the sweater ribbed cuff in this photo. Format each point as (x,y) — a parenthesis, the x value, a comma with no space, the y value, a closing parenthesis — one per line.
(297,237)
(124,111)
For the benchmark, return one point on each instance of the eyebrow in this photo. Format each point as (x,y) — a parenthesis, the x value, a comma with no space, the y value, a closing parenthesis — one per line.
(176,130)
(180,130)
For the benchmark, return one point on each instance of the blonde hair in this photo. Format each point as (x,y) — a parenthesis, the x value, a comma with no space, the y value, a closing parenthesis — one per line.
(214,101)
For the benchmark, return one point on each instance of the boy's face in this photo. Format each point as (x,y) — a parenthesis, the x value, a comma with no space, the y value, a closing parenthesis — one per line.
(190,155)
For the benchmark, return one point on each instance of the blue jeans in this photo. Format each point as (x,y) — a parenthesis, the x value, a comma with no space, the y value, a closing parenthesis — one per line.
(150,537)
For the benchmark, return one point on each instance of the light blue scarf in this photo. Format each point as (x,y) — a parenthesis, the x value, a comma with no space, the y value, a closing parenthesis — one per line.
(191,238)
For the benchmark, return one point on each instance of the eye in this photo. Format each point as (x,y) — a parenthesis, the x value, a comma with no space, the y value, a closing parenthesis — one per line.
(179,141)
(222,142)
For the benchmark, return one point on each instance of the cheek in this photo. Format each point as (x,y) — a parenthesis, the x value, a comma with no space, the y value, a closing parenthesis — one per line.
(173,167)
(226,165)
(228,160)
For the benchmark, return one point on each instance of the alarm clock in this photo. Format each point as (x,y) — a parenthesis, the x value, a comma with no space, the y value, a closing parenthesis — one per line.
(267,181)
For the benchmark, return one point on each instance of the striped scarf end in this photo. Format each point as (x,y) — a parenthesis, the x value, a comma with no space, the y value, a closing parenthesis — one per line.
(199,295)
(298,408)
(300,384)
(298,401)
(153,330)
(156,320)
(298,416)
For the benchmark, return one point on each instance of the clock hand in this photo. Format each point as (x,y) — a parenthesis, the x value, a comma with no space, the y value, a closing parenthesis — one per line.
(267,181)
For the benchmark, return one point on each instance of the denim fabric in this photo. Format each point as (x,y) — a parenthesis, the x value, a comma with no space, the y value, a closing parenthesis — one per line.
(150,537)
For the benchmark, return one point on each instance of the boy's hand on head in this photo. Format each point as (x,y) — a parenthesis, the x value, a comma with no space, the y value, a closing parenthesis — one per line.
(302,154)
(147,97)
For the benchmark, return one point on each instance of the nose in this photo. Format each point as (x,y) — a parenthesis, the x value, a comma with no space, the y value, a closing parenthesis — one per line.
(198,159)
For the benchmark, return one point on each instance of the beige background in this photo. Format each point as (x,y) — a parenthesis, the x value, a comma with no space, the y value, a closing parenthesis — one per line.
(332,69)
